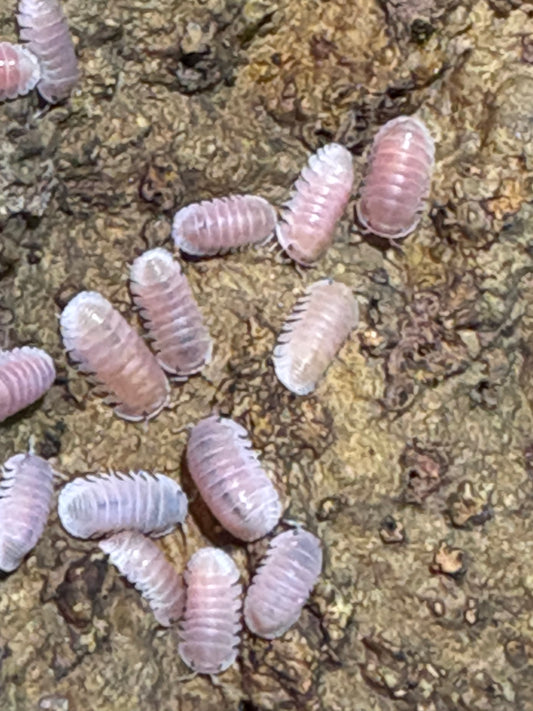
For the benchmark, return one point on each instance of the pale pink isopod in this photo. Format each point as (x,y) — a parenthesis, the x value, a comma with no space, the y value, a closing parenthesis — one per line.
(25,375)
(211,626)
(45,29)
(220,225)
(94,505)
(25,501)
(313,334)
(172,316)
(318,199)
(398,178)
(282,583)
(144,565)
(19,70)
(101,341)
(230,478)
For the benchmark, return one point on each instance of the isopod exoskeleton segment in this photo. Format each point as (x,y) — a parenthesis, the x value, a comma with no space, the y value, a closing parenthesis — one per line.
(104,345)
(25,375)
(171,314)
(210,628)
(398,178)
(318,199)
(230,479)
(19,70)
(282,583)
(223,224)
(313,334)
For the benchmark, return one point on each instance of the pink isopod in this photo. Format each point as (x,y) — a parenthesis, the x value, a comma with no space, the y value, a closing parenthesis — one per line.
(104,345)
(230,478)
(25,501)
(25,375)
(172,316)
(398,178)
(313,334)
(210,629)
(318,199)
(19,70)
(95,505)
(144,565)
(282,583)
(223,224)
(45,29)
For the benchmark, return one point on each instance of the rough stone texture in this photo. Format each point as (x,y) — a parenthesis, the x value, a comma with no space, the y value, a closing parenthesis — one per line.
(413,460)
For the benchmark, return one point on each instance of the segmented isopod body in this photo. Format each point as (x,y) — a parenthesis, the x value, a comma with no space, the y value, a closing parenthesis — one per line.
(172,316)
(282,583)
(230,478)
(25,501)
(318,199)
(398,179)
(94,505)
(45,29)
(19,70)
(313,334)
(220,225)
(144,565)
(211,626)
(25,375)
(101,341)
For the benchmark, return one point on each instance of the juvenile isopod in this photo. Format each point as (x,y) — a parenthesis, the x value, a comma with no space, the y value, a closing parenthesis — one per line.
(318,199)
(94,505)
(25,375)
(220,225)
(282,583)
(25,501)
(144,565)
(19,70)
(101,341)
(230,478)
(172,316)
(313,334)
(45,29)
(398,178)
(210,629)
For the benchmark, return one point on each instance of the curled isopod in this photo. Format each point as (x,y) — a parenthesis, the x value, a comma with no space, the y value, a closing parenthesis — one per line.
(313,334)
(220,225)
(101,341)
(94,505)
(398,178)
(45,29)
(144,565)
(210,629)
(25,375)
(230,478)
(19,70)
(172,316)
(318,199)
(282,583)
(25,501)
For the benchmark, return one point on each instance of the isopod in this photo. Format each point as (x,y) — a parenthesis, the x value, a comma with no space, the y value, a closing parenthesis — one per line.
(25,375)
(210,629)
(25,501)
(172,316)
(230,478)
(101,341)
(220,225)
(19,70)
(313,334)
(144,565)
(92,505)
(398,178)
(282,583)
(318,199)
(45,29)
